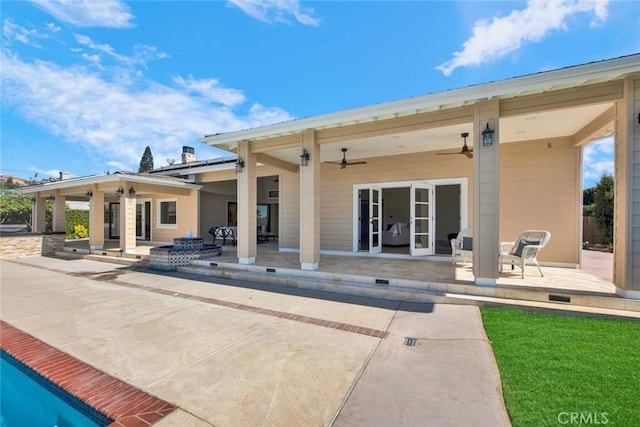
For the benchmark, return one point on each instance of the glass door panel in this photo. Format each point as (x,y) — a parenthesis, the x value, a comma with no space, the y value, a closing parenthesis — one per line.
(421,219)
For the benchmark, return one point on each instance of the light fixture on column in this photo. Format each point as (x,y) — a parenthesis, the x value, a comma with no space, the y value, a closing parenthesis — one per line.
(132,192)
(304,157)
(120,190)
(239,165)
(89,193)
(487,137)
(52,198)
(639,118)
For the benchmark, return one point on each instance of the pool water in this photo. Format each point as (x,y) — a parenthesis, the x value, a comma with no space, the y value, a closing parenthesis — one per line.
(27,399)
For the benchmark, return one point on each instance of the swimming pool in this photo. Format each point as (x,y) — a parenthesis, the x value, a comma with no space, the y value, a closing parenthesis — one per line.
(29,399)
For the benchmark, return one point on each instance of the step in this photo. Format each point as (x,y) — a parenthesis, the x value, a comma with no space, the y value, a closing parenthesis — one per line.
(410,290)
(294,281)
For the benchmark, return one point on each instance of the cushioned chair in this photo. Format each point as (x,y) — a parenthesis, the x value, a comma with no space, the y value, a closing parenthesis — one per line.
(524,250)
(462,246)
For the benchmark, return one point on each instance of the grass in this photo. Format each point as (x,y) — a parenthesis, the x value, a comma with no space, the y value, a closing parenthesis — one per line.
(555,366)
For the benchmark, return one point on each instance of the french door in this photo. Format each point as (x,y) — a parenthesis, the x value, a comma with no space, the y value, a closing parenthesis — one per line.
(143,220)
(421,220)
(375,220)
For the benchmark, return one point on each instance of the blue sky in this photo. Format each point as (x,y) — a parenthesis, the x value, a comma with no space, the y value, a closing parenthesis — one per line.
(87,85)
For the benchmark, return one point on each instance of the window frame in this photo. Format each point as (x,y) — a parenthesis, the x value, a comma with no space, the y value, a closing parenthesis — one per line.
(159,222)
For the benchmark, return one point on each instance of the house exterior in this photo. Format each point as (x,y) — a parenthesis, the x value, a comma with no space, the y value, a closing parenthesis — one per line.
(407,171)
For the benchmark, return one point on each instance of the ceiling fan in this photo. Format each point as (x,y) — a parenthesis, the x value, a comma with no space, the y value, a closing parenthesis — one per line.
(465,148)
(344,163)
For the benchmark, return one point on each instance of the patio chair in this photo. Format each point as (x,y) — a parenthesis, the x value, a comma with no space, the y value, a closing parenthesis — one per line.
(462,245)
(524,250)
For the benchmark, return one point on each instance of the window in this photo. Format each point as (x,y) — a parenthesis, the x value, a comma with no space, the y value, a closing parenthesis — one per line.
(168,213)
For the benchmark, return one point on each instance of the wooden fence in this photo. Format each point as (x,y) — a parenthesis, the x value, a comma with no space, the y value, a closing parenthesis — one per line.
(590,230)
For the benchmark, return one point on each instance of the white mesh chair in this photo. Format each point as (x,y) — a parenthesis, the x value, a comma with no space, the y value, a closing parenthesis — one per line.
(462,246)
(524,250)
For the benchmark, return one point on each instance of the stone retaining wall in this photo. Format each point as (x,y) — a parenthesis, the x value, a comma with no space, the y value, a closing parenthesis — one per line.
(20,245)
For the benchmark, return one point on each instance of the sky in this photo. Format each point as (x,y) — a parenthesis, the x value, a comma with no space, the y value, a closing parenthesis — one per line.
(86,85)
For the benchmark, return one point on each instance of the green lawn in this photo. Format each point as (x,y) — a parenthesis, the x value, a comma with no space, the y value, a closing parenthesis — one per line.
(557,367)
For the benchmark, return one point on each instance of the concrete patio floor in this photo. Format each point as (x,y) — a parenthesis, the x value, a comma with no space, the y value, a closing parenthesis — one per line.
(227,355)
(595,277)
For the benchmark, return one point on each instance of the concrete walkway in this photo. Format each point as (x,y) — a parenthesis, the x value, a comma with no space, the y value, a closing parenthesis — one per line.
(229,355)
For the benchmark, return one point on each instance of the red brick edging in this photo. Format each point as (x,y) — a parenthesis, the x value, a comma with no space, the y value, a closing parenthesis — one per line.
(126,405)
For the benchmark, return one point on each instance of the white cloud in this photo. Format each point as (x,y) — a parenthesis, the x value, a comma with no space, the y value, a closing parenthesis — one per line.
(115,119)
(277,11)
(89,13)
(597,159)
(491,40)
(212,90)
(141,56)
(14,32)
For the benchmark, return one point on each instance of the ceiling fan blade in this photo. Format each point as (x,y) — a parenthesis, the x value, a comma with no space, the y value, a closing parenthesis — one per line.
(334,163)
(356,163)
(469,154)
(446,154)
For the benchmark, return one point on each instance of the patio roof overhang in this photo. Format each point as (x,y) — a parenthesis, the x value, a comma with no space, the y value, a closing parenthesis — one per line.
(575,77)
(78,186)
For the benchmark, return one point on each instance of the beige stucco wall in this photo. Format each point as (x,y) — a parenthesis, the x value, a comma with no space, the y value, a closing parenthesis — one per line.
(336,229)
(187,212)
(540,190)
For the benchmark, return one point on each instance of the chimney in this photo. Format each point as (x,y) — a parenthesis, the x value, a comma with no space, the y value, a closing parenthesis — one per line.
(188,155)
(64,175)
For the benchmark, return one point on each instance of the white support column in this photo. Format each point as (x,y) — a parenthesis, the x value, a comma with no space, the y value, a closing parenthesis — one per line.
(310,204)
(39,213)
(58,223)
(626,269)
(486,195)
(96,219)
(247,206)
(127,222)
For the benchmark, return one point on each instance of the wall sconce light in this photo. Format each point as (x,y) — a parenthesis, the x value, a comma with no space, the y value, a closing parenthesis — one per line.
(487,137)
(52,198)
(120,190)
(89,193)
(239,165)
(132,192)
(304,158)
(639,118)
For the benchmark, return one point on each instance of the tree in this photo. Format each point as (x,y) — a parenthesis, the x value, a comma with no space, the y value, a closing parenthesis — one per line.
(15,209)
(603,209)
(146,163)
(587,196)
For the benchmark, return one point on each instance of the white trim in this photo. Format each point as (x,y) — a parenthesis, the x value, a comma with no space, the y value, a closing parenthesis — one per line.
(149,220)
(559,265)
(488,281)
(159,216)
(309,266)
(575,76)
(628,294)
(247,261)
